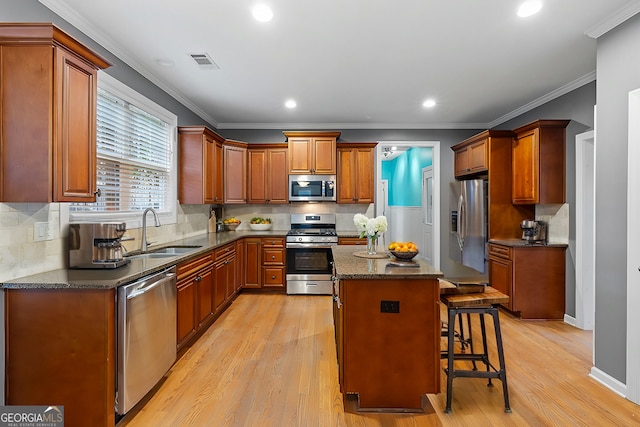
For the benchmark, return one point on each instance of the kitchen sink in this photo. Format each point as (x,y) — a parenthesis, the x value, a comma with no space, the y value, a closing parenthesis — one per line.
(167,251)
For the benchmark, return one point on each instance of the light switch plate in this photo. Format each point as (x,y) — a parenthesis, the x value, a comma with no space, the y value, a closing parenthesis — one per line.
(42,231)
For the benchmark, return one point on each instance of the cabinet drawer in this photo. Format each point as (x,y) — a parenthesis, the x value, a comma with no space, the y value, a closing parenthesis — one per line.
(225,251)
(188,267)
(352,241)
(273,242)
(271,256)
(500,251)
(273,276)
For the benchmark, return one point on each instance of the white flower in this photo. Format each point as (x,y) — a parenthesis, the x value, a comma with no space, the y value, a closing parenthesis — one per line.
(370,226)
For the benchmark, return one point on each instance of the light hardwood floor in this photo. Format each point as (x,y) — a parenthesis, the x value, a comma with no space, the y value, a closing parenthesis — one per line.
(269,360)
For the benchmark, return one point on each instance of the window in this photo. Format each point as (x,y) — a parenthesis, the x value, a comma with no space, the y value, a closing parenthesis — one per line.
(136,161)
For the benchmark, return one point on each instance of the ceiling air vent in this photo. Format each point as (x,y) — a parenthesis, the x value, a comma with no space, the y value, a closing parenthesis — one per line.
(204,60)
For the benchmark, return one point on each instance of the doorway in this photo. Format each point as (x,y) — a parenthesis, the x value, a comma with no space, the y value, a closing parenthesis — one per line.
(413,216)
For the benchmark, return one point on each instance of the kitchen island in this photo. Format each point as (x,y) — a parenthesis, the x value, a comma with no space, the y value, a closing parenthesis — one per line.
(387,328)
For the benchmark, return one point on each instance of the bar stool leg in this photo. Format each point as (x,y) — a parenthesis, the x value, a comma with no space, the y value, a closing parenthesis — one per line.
(470,339)
(450,373)
(485,349)
(503,371)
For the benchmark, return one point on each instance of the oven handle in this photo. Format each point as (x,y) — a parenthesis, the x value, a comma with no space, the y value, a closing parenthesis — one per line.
(310,245)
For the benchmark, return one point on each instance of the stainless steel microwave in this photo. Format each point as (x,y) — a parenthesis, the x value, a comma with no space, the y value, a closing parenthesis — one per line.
(312,188)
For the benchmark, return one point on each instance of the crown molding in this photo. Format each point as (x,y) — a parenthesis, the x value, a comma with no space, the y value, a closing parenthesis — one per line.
(63,10)
(614,19)
(333,126)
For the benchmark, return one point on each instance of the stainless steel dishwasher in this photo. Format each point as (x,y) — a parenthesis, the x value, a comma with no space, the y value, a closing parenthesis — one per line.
(146,336)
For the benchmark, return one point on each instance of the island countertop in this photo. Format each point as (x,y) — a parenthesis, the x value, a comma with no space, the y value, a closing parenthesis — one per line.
(349,266)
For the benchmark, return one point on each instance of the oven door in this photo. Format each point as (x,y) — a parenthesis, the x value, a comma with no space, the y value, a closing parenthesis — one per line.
(309,268)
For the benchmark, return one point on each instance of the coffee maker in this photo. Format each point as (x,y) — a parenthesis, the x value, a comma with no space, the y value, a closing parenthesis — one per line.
(534,231)
(97,245)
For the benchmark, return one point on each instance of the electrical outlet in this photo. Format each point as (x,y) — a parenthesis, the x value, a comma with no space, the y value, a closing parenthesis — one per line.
(389,306)
(42,231)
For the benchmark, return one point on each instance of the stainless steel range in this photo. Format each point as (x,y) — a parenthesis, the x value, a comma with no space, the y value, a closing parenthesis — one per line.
(309,258)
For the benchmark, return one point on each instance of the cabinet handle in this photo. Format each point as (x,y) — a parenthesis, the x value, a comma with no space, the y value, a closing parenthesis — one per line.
(198,279)
(273,257)
(97,193)
(273,277)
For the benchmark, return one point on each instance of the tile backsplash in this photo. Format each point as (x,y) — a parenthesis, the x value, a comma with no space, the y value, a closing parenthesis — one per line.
(557,219)
(21,255)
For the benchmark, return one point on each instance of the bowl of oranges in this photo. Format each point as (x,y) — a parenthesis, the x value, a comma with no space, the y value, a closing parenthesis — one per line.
(230,224)
(404,251)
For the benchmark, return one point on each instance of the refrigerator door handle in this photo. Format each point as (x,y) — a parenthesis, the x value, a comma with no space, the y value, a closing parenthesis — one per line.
(461,222)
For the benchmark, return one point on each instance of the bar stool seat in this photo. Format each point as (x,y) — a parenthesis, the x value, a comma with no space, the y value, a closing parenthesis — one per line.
(483,304)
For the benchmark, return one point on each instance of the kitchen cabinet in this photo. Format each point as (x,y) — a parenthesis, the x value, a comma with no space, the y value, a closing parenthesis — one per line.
(504,218)
(60,347)
(312,152)
(225,275)
(538,172)
(48,82)
(200,166)
(355,173)
(194,297)
(253,262)
(273,262)
(352,241)
(235,172)
(471,157)
(241,265)
(533,276)
(268,174)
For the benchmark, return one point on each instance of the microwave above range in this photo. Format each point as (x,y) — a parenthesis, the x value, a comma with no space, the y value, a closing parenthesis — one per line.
(312,188)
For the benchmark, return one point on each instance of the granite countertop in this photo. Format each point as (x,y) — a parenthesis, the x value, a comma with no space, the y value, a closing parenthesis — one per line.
(349,266)
(523,243)
(137,268)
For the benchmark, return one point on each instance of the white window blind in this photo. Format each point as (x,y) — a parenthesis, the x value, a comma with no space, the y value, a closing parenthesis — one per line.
(135,155)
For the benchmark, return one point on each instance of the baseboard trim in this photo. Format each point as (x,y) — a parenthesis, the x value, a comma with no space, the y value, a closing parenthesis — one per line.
(608,381)
(570,320)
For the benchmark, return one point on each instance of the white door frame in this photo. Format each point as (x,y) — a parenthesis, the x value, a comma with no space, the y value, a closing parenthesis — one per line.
(633,249)
(435,146)
(427,173)
(585,230)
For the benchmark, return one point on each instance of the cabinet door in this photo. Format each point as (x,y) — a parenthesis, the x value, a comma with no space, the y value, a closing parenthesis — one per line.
(220,284)
(209,159)
(501,277)
(277,177)
(300,155)
(241,265)
(204,285)
(478,156)
(76,97)
(324,156)
(525,168)
(461,161)
(218,175)
(257,176)
(273,277)
(232,276)
(186,312)
(235,174)
(347,175)
(365,192)
(253,263)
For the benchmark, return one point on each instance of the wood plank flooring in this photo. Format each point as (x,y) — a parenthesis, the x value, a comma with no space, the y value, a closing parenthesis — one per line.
(269,360)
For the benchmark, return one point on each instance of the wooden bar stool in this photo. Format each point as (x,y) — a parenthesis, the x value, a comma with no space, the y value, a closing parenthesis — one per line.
(482,304)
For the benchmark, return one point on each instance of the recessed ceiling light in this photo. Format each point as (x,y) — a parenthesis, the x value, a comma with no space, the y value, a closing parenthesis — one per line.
(429,103)
(290,103)
(165,62)
(529,7)
(262,13)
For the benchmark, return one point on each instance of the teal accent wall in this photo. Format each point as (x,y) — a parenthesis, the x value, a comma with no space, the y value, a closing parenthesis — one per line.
(404,174)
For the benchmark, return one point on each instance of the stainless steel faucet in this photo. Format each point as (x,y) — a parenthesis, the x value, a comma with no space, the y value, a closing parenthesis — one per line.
(143,248)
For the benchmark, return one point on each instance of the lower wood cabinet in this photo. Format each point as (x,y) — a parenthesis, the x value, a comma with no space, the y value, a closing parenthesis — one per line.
(225,275)
(194,298)
(532,276)
(273,262)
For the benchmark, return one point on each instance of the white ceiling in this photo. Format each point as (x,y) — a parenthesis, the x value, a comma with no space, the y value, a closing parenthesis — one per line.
(354,63)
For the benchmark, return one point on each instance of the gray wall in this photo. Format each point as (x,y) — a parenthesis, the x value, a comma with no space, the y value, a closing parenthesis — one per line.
(618,66)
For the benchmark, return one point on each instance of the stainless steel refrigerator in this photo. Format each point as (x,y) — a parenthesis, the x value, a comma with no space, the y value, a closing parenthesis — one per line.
(468,243)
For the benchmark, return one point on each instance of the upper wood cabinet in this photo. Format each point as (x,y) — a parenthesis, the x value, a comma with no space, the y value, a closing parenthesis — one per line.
(471,157)
(312,152)
(48,87)
(538,172)
(355,173)
(200,165)
(268,173)
(235,172)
